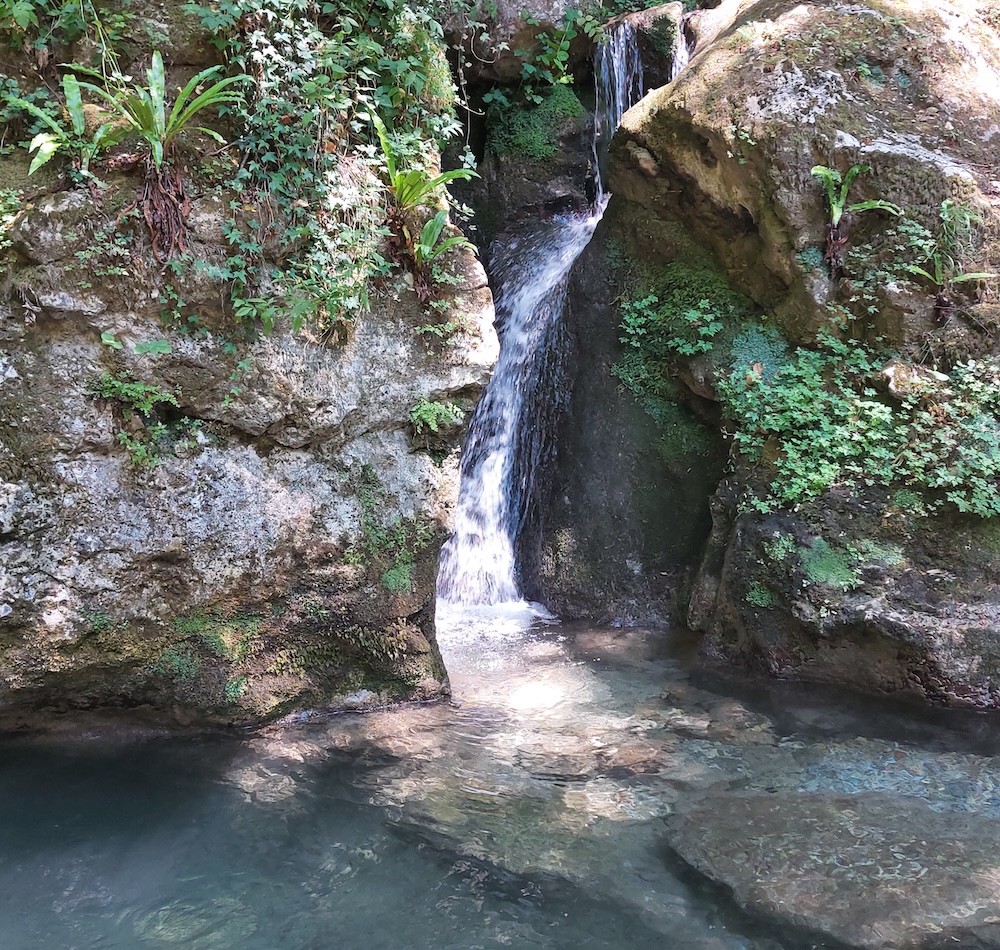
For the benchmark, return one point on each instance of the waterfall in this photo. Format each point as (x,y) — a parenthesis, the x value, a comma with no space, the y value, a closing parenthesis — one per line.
(682,53)
(510,435)
(618,78)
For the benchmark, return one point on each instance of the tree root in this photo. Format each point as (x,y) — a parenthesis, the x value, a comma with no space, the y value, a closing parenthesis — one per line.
(834,256)
(164,208)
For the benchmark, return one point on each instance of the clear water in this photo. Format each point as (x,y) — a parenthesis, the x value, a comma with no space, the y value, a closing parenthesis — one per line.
(529,814)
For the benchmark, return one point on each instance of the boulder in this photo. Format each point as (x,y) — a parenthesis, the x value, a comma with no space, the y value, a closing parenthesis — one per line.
(877,589)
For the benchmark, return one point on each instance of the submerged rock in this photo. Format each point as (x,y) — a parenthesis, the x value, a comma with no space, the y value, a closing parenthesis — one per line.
(872,870)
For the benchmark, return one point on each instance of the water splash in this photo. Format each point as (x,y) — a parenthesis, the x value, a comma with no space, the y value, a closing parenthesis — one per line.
(478,563)
(509,436)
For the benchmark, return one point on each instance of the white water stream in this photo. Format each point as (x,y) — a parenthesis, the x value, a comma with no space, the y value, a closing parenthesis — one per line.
(478,564)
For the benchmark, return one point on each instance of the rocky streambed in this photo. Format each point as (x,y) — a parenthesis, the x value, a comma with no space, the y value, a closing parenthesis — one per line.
(583,790)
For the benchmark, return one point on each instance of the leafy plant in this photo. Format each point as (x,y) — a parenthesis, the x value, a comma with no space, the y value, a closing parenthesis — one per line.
(320,70)
(546,64)
(144,110)
(10,206)
(136,397)
(72,138)
(412,187)
(820,421)
(430,416)
(428,248)
(837,188)
(941,257)
(758,595)
(141,397)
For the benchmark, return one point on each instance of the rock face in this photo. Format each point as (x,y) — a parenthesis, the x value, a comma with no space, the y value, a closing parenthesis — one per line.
(859,586)
(734,139)
(608,553)
(213,528)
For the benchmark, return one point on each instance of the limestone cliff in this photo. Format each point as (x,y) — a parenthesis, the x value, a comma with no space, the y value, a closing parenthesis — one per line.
(875,581)
(202,521)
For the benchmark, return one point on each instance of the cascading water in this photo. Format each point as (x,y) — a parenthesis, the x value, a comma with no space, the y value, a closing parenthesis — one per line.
(507,438)
(618,78)
(682,53)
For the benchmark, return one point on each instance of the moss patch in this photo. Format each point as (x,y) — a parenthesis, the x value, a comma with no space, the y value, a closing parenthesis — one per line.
(527,130)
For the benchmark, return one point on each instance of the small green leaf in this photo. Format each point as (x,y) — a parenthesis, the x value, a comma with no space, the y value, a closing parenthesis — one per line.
(154,347)
(108,339)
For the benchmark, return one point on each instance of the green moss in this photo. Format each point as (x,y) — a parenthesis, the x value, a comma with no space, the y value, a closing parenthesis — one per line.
(828,565)
(179,662)
(528,130)
(229,638)
(886,554)
(758,595)
(399,578)
(781,548)
(235,687)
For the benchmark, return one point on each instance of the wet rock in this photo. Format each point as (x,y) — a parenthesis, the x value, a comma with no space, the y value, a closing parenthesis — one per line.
(870,592)
(871,870)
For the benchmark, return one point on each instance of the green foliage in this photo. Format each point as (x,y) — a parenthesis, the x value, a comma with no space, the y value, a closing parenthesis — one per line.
(811,259)
(10,206)
(826,423)
(430,246)
(546,64)
(837,186)
(140,397)
(71,138)
(144,108)
(179,662)
(526,128)
(235,688)
(15,120)
(941,256)
(760,350)
(429,416)
(781,547)
(412,187)
(36,24)
(146,400)
(386,539)
(687,308)
(758,595)
(399,578)
(320,70)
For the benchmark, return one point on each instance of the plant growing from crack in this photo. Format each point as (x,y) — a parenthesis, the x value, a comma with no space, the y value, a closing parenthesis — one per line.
(941,256)
(144,111)
(837,187)
(410,189)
